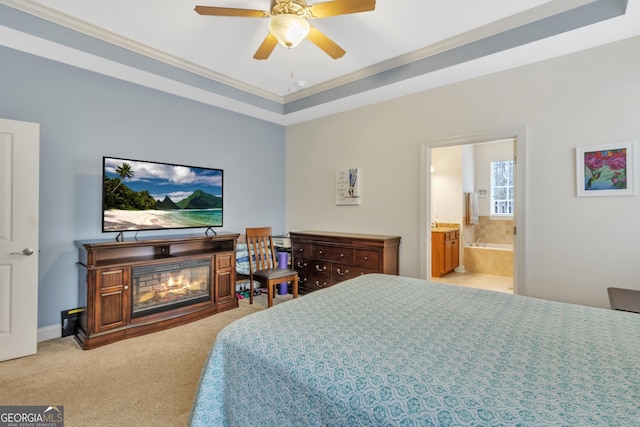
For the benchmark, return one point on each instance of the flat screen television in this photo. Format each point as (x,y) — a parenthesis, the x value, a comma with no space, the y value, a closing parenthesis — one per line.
(143,195)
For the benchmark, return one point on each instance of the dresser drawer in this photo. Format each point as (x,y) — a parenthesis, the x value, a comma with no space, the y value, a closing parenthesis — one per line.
(366,259)
(314,281)
(319,267)
(343,272)
(302,265)
(300,250)
(332,253)
(312,266)
(312,274)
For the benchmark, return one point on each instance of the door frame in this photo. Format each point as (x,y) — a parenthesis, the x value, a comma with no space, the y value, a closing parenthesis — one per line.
(519,134)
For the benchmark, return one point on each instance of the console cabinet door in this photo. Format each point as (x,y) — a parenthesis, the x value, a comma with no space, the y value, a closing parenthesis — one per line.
(224,276)
(112,298)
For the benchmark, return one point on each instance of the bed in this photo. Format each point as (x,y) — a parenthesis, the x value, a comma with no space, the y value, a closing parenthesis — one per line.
(384,350)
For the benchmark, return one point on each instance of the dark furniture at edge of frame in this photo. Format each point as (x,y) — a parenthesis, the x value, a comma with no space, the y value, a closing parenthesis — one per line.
(325,258)
(105,289)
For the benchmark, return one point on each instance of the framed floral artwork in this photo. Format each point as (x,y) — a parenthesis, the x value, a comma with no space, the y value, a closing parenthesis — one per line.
(606,170)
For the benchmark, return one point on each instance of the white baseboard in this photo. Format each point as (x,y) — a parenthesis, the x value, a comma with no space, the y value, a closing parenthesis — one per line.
(49,333)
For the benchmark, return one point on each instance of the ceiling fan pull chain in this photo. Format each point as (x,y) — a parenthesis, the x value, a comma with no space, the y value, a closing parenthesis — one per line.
(291,82)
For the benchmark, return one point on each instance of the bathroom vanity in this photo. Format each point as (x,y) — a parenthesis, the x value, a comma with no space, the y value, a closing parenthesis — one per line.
(445,249)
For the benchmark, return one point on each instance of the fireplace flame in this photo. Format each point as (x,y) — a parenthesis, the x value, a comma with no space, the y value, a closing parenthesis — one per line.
(178,286)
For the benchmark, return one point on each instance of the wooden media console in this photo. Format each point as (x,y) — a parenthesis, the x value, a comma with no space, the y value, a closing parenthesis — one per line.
(138,286)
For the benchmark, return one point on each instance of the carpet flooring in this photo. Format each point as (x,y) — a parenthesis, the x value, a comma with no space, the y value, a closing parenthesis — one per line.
(145,381)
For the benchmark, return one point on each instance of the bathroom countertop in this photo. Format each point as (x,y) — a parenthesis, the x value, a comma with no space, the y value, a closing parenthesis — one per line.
(445,227)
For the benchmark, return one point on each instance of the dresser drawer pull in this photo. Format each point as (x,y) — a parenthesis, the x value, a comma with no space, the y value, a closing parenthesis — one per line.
(320,269)
(341,273)
(302,279)
(301,265)
(341,255)
(321,285)
(366,258)
(320,252)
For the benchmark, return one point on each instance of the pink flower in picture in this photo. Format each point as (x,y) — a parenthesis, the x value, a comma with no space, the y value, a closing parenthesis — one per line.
(605,169)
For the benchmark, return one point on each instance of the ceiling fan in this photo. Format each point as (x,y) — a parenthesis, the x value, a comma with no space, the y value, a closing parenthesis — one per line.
(288,23)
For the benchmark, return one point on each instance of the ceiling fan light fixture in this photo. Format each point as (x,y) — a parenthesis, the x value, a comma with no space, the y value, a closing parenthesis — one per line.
(289,29)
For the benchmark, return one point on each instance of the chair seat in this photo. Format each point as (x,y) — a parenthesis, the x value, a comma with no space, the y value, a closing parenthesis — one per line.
(274,273)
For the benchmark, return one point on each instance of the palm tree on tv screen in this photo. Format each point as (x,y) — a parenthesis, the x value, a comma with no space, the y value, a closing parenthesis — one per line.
(124,171)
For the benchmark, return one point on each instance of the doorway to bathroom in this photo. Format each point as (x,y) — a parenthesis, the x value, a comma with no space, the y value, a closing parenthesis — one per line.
(474,187)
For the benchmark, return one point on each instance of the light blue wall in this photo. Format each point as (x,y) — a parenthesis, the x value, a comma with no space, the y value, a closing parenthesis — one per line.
(84,115)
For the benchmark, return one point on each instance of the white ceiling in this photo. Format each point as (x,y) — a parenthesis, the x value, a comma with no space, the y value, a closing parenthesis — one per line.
(401,47)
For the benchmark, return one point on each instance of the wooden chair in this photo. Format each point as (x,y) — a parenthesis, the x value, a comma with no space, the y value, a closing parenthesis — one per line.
(624,299)
(262,264)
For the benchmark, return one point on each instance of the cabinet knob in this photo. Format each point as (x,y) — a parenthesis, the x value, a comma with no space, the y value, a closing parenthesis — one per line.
(341,255)
(319,252)
(366,258)
(126,287)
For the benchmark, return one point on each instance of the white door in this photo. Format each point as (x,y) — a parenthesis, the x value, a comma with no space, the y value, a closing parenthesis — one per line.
(19,184)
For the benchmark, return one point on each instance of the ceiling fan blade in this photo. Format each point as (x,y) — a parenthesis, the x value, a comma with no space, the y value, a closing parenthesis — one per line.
(325,43)
(266,47)
(340,7)
(230,11)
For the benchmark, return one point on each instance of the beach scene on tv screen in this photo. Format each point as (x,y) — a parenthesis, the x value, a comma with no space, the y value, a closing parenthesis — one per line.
(139,195)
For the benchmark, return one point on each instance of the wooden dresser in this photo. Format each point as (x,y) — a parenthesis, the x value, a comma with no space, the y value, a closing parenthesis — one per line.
(325,258)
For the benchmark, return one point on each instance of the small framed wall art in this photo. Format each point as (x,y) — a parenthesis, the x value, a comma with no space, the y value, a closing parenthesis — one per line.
(348,187)
(606,170)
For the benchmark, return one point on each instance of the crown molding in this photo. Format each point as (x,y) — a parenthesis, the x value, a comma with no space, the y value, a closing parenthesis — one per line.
(541,12)
(514,21)
(140,48)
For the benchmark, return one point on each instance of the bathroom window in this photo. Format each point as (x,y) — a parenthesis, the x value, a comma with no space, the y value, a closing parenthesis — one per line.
(502,188)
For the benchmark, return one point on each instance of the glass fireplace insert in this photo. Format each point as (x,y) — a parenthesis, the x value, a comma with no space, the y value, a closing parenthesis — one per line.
(163,287)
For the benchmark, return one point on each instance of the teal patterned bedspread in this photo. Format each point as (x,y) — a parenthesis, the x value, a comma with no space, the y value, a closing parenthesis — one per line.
(384,350)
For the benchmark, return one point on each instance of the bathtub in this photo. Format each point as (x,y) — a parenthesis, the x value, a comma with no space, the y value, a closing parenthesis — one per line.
(489,258)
